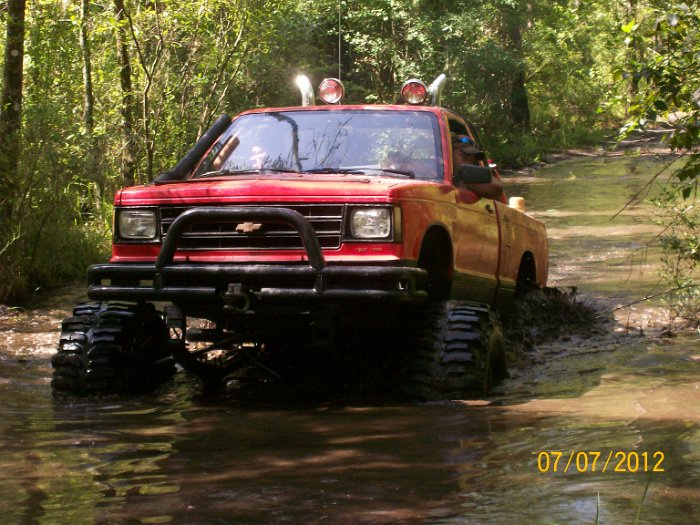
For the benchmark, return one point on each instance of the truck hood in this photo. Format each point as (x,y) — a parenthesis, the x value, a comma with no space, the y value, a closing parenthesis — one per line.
(273,188)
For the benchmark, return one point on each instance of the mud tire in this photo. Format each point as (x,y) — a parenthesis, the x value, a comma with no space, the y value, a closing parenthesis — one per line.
(456,351)
(111,348)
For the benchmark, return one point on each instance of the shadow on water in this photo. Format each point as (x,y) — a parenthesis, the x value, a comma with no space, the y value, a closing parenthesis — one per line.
(177,456)
(169,458)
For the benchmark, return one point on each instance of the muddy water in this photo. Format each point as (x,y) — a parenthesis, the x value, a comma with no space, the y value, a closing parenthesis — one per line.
(174,456)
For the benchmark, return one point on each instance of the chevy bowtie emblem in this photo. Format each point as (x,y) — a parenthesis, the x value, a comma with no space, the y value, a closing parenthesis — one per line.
(248,227)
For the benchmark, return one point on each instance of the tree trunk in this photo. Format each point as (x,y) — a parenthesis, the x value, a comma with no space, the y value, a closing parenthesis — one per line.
(127,104)
(88,106)
(88,97)
(11,109)
(149,69)
(519,106)
(519,102)
(632,55)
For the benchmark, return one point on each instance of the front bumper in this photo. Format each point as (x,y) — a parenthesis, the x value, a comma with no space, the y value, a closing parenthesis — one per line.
(309,282)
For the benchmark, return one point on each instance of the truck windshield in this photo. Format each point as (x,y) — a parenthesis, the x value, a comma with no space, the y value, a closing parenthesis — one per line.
(371,142)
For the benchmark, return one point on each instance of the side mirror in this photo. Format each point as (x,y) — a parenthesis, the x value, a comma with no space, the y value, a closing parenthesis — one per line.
(471,174)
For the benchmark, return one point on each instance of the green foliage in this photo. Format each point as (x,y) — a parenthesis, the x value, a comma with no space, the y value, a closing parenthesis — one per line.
(516,150)
(680,242)
(53,241)
(667,76)
(667,82)
(571,71)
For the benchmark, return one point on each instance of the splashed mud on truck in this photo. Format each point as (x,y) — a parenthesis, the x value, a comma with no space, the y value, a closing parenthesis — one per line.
(319,230)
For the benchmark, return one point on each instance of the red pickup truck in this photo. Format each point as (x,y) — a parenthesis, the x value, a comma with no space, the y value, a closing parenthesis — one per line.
(285,228)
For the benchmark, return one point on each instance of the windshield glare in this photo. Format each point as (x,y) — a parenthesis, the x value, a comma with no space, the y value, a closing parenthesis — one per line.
(334,140)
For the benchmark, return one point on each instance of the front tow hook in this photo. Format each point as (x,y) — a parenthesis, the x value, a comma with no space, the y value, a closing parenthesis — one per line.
(236,298)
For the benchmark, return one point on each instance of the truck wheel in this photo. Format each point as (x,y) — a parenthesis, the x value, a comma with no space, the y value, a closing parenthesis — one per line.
(109,348)
(456,352)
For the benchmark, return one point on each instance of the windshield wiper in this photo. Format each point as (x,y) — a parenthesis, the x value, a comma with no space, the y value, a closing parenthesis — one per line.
(335,170)
(405,173)
(220,173)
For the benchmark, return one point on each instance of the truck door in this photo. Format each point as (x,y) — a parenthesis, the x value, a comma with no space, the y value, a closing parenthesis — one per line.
(476,237)
(476,247)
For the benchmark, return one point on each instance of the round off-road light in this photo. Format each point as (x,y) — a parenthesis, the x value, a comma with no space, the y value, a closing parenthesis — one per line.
(331,91)
(414,92)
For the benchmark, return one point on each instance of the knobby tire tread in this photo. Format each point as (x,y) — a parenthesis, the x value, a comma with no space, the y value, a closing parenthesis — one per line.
(449,353)
(111,348)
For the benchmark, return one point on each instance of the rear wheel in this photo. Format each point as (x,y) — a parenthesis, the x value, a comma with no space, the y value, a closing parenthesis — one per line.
(456,351)
(111,347)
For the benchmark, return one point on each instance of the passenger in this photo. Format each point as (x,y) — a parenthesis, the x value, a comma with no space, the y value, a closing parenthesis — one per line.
(465,152)
(398,161)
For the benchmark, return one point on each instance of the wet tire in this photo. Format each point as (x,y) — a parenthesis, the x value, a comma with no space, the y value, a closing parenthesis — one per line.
(111,348)
(455,351)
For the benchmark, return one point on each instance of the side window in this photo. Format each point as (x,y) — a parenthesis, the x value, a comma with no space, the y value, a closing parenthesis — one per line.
(457,127)
(471,152)
(472,133)
(462,126)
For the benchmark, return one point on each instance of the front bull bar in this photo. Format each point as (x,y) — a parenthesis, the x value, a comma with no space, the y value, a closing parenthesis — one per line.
(308,281)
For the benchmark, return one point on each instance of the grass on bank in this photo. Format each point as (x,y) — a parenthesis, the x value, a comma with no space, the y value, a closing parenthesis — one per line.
(517,150)
(44,251)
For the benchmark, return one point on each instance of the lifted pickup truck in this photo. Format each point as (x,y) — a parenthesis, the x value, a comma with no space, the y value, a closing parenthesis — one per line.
(286,229)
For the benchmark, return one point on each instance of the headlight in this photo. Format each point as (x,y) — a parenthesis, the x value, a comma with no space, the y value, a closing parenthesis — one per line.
(137,224)
(370,223)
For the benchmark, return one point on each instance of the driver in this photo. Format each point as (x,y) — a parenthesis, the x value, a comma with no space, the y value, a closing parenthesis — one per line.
(464,151)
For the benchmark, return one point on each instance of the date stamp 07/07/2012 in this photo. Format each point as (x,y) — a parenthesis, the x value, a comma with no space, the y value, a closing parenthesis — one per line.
(598,461)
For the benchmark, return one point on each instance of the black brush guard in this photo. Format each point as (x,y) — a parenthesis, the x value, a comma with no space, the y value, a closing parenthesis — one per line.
(240,285)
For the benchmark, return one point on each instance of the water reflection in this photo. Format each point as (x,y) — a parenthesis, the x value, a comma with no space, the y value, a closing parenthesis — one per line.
(176,457)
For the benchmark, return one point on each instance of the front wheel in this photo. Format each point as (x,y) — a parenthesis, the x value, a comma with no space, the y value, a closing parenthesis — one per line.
(111,347)
(455,351)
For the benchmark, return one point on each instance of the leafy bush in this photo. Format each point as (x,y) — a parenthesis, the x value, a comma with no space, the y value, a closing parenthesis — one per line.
(680,242)
(664,77)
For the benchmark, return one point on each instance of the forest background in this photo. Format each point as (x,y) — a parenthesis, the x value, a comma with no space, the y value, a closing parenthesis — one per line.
(101,94)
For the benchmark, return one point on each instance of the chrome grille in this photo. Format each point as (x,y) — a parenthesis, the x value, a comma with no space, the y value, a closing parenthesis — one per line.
(326,220)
